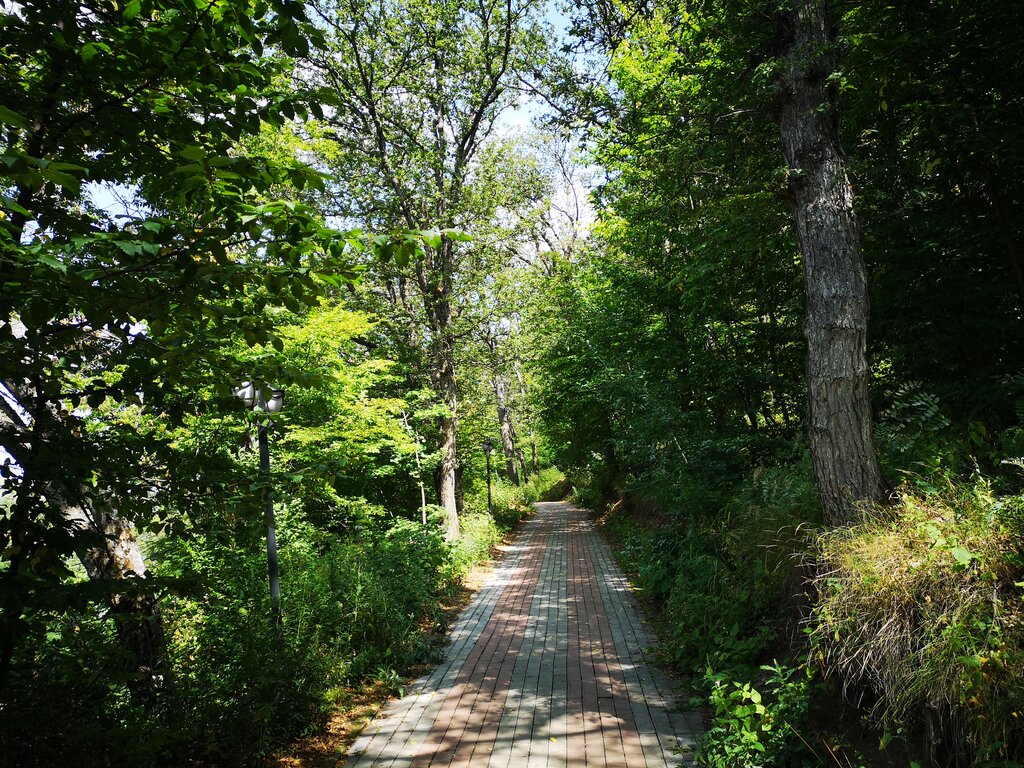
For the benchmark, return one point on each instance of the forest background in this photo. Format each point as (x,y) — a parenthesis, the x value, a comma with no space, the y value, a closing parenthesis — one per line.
(325,198)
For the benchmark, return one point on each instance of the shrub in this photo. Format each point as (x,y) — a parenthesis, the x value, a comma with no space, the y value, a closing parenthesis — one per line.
(511,503)
(724,579)
(68,695)
(763,726)
(479,534)
(354,609)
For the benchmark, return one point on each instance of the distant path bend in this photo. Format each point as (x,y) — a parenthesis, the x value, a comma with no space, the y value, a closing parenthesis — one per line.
(545,669)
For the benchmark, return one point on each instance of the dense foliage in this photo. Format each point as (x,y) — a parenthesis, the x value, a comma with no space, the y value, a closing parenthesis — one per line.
(163,238)
(323,197)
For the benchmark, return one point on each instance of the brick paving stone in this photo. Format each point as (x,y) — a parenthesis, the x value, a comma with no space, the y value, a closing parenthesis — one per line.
(546,668)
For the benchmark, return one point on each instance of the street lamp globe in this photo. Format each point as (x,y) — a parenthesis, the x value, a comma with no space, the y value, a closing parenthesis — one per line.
(246,392)
(275,401)
(267,399)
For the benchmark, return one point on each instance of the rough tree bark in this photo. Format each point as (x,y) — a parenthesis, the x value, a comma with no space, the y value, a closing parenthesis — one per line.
(846,467)
(524,473)
(436,285)
(525,395)
(136,613)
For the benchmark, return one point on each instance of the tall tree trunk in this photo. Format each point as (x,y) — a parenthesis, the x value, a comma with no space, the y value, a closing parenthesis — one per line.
(524,473)
(109,549)
(447,490)
(437,290)
(508,439)
(846,467)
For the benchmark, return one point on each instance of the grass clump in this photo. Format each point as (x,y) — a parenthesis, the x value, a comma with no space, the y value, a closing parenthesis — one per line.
(921,604)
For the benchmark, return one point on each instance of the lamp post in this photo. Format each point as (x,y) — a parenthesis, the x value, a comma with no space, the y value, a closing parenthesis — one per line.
(488,446)
(267,400)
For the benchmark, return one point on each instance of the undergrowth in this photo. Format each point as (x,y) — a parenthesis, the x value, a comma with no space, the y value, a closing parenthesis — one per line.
(359,608)
(723,582)
(922,604)
(721,572)
(915,612)
(511,503)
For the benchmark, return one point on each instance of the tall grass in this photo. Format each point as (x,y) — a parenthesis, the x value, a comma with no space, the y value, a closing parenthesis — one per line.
(922,605)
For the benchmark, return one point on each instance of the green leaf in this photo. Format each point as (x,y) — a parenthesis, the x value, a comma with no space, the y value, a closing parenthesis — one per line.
(132,9)
(404,253)
(45,258)
(10,117)
(64,180)
(194,153)
(457,235)
(432,238)
(59,166)
(12,205)
(963,556)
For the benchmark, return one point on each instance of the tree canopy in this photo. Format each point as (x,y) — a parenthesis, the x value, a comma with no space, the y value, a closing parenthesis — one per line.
(751,278)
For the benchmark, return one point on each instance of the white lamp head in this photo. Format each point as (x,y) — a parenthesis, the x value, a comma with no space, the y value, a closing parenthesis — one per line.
(246,392)
(275,401)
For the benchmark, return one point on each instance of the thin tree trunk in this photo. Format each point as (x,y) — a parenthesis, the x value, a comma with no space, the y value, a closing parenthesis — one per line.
(419,467)
(846,467)
(533,452)
(777,375)
(525,393)
(508,440)
(612,470)
(524,473)
(447,491)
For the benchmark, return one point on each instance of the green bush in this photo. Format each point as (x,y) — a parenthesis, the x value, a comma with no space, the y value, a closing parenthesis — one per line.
(723,579)
(68,695)
(763,726)
(511,503)
(479,533)
(352,611)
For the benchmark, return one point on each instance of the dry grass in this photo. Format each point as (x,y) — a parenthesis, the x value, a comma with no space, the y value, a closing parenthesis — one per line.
(921,605)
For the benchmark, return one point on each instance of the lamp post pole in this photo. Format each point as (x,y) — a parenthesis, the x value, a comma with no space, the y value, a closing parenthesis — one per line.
(266,400)
(488,446)
(268,519)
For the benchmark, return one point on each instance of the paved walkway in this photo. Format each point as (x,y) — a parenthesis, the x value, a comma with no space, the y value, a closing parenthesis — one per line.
(545,669)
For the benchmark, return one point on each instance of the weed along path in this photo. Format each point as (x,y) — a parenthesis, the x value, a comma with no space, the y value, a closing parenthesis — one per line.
(544,669)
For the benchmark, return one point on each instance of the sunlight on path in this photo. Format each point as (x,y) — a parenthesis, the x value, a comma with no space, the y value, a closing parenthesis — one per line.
(545,668)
